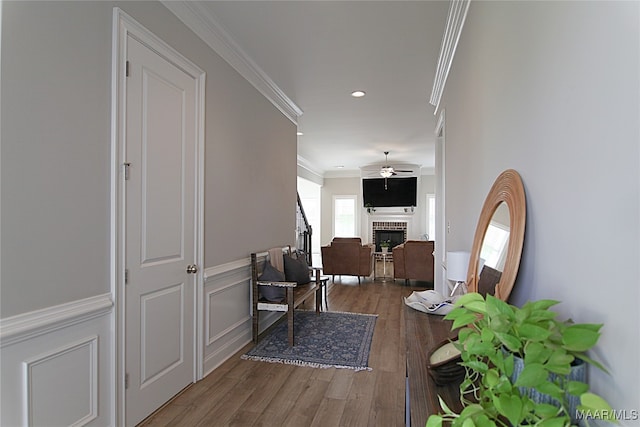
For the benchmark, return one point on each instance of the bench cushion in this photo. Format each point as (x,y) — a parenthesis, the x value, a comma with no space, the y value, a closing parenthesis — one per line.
(272,274)
(296,270)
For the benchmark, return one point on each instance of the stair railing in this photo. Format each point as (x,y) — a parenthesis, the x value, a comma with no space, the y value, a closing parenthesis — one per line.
(303,231)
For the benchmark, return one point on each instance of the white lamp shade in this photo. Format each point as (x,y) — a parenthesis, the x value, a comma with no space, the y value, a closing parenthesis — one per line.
(458,265)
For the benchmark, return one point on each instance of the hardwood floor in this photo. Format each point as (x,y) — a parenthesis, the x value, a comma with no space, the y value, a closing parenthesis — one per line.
(249,393)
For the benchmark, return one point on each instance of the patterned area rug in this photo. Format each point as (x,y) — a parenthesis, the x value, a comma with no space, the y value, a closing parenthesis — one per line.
(324,340)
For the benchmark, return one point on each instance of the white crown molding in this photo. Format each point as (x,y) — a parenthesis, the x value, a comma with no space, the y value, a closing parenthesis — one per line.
(317,175)
(206,26)
(343,173)
(455,21)
(28,325)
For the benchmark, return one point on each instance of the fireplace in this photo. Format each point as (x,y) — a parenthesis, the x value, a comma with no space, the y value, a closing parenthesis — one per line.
(396,237)
(394,231)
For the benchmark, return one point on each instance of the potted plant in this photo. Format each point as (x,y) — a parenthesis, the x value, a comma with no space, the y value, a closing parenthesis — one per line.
(513,356)
(384,245)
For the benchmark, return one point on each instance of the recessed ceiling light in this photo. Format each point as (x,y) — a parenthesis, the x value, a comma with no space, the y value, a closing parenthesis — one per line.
(339,167)
(358,94)
(299,133)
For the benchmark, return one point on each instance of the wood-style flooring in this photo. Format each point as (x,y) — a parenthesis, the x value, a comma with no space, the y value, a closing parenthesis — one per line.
(249,393)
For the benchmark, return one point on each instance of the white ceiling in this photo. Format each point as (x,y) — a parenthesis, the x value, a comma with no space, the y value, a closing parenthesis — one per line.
(318,52)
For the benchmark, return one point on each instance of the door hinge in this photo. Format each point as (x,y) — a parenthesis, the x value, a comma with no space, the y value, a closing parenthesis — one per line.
(126,380)
(126,69)
(126,171)
(126,277)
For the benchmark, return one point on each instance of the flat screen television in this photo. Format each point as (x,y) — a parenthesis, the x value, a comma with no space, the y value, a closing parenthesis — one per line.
(398,192)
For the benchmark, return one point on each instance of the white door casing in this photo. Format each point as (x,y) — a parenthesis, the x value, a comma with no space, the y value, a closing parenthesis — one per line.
(441,226)
(160,103)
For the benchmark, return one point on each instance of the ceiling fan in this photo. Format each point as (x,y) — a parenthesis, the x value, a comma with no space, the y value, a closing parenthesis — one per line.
(388,171)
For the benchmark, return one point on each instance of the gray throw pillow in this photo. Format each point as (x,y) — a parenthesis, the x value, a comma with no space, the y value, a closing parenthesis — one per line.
(296,270)
(272,274)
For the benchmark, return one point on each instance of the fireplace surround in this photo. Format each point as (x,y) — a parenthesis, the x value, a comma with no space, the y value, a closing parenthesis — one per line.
(395,231)
(395,237)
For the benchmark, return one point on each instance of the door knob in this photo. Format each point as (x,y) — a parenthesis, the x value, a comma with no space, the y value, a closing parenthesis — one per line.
(192,269)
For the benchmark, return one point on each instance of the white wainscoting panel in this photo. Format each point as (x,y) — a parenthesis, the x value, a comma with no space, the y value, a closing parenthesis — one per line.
(77,403)
(227,312)
(59,372)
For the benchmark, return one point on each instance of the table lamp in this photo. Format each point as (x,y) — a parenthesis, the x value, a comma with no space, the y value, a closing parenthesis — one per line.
(457,268)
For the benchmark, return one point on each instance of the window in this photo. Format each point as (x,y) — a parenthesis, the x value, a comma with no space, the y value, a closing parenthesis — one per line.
(431,216)
(344,216)
(494,246)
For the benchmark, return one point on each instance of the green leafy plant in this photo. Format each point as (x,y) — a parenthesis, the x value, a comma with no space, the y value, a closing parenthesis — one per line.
(492,335)
(385,243)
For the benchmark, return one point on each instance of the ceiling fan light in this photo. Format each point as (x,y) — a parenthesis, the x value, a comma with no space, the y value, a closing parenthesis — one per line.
(386,172)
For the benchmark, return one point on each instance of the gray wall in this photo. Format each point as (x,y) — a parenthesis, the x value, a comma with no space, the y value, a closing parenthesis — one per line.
(56,138)
(551,89)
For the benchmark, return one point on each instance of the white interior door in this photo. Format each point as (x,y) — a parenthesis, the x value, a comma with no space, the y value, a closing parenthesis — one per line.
(160,218)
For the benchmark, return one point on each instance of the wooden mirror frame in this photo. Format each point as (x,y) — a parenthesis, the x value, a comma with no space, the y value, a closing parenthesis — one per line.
(507,188)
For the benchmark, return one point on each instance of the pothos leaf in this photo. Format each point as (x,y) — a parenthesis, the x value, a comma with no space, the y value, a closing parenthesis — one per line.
(578,338)
(542,304)
(553,422)
(467,298)
(534,332)
(471,410)
(534,352)
(434,421)
(444,406)
(596,403)
(532,376)
(577,388)
(463,320)
(455,313)
(510,406)
(468,422)
(509,341)
(546,410)
(496,306)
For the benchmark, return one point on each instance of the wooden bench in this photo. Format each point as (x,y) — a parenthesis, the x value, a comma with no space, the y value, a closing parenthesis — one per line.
(294,296)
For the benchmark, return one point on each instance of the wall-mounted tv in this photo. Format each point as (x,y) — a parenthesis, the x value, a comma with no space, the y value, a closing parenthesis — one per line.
(397,192)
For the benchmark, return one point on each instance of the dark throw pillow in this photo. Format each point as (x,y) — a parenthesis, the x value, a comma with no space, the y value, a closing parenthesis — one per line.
(271,274)
(296,270)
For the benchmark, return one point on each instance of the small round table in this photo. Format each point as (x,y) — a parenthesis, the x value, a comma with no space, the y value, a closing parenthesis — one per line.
(322,283)
(384,256)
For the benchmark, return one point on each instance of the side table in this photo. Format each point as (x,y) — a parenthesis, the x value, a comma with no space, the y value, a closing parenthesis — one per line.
(322,283)
(384,256)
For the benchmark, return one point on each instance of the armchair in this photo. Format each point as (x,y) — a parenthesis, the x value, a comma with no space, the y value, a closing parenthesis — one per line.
(413,260)
(347,256)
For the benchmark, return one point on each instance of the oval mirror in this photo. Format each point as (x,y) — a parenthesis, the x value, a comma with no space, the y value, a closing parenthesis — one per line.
(497,244)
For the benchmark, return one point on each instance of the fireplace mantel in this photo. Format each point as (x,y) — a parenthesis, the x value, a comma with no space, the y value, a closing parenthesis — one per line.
(391,212)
